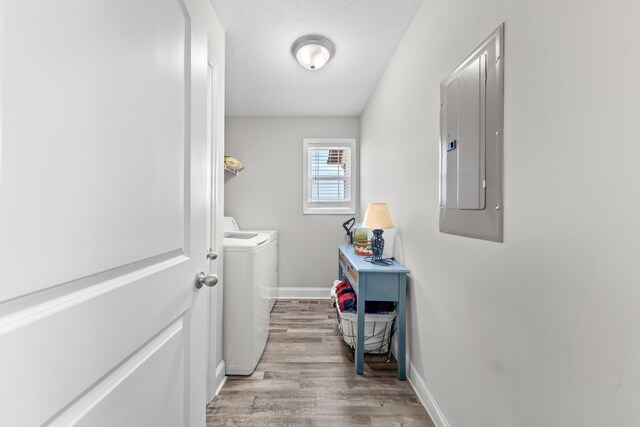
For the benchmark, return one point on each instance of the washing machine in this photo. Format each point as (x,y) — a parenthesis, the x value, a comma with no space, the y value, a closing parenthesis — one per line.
(246,300)
(231,225)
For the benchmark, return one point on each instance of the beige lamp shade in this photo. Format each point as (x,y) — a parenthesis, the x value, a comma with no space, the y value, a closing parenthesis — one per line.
(378,217)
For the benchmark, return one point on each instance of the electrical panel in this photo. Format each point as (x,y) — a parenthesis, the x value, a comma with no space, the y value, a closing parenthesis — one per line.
(463,122)
(471,120)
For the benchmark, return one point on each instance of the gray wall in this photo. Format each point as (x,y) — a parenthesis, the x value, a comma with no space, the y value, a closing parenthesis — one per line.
(543,329)
(268,193)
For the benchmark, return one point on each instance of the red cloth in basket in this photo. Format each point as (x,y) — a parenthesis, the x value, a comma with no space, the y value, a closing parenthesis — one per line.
(348,301)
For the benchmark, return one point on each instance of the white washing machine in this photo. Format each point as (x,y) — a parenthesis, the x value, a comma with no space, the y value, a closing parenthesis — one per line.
(246,300)
(230,225)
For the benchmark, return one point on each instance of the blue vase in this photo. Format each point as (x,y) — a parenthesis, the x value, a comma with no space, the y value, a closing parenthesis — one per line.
(377,244)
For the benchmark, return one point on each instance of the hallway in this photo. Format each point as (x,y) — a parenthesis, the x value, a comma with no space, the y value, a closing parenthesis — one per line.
(306,377)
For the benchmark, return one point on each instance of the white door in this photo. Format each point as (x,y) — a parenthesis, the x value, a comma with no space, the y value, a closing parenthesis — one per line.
(102,213)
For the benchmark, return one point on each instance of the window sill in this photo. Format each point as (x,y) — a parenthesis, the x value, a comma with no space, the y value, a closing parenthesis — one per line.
(329,211)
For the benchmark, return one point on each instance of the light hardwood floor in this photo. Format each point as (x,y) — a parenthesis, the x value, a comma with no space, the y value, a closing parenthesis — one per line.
(306,378)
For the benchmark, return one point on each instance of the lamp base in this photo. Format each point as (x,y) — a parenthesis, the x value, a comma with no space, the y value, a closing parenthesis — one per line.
(377,245)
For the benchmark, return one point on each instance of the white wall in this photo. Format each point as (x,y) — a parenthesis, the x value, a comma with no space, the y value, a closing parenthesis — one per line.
(541,330)
(268,193)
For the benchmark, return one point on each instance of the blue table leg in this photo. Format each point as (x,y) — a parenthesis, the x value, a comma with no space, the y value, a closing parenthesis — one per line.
(360,338)
(402,329)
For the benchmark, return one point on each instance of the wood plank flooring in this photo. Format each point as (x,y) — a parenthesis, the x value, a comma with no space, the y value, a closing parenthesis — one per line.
(306,377)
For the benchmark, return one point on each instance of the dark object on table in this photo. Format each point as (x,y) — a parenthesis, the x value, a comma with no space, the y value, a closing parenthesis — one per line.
(381,261)
(377,244)
(348,227)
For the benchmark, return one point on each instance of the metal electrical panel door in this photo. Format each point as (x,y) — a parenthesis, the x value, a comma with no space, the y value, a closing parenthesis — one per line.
(471,144)
(464,149)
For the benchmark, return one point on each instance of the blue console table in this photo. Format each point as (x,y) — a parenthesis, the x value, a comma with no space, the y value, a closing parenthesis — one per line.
(373,282)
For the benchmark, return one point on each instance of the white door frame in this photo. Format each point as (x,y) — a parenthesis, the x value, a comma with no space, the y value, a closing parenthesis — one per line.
(215,115)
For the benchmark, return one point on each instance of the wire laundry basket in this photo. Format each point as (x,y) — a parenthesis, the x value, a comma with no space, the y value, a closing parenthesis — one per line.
(378,330)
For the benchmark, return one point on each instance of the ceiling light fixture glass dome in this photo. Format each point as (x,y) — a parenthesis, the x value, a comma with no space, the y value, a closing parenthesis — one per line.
(312,52)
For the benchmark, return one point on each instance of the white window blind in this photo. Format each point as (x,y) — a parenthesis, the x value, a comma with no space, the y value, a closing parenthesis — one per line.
(329,176)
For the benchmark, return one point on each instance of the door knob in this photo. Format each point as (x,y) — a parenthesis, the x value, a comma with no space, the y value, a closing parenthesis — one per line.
(211,255)
(209,280)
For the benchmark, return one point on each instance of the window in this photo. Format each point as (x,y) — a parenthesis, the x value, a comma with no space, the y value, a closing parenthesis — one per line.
(329,176)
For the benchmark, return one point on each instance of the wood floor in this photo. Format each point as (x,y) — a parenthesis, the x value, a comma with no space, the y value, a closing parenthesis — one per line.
(306,378)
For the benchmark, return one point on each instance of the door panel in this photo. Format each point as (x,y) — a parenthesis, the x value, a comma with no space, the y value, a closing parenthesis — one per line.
(102,225)
(451,162)
(127,398)
(79,93)
(83,339)
(471,142)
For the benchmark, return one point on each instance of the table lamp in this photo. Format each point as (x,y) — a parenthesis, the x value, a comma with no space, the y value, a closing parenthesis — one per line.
(377,218)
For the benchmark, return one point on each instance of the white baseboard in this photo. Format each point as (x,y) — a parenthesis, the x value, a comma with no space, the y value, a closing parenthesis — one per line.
(303,293)
(426,397)
(220,377)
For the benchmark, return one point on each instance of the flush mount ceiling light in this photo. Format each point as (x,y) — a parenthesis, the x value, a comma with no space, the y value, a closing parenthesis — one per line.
(312,52)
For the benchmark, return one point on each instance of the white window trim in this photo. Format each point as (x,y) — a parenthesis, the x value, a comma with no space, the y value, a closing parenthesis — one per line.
(350,210)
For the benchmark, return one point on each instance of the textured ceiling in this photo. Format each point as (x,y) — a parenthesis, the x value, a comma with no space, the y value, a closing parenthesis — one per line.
(264,79)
